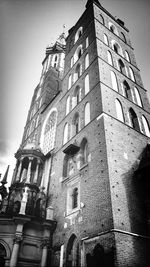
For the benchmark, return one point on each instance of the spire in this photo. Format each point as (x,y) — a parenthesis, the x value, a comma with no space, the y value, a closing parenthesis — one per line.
(4,180)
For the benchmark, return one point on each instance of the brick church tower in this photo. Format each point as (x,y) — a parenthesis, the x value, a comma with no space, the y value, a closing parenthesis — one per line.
(80,191)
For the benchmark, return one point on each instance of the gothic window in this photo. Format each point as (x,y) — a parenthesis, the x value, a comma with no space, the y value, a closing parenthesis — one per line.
(131,74)
(126,90)
(69,81)
(87,113)
(86,84)
(138,97)
(123,37)
(67,105)
(119,110)
(127,56)
(86,61)
(48,132)
(121,66)
(134,120)
(146,126)
(78,72)
(116,47)
(72,252)
(109,57)
(75,124)
(112,28)
(78,53)
(66,133)
(77,96)
(114,81)
(105,39)
(84,151)
(87,42)
(78,34)
(101,19)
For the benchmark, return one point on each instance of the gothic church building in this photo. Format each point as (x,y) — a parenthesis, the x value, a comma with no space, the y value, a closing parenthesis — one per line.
(79,195)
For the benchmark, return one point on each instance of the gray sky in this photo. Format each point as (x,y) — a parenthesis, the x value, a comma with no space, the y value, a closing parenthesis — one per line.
(26,28)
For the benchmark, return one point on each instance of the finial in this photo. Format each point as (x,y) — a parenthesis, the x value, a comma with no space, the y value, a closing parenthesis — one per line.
(4,180)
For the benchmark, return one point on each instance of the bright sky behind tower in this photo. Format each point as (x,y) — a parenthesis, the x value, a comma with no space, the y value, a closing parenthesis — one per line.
(26,28)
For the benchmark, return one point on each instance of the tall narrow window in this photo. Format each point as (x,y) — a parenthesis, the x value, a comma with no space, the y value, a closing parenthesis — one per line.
(101,19)
(113,28)
(69,81)
(126,89)
(146,126)
(75,124)
(138,98)
(86,84)
(66,128)
(87,113)
(67,105)
(105,39)
(121,66)
(127,56)
(134,119)
(87,42)
(78,34)
(78,72)
(86,61)
(78,53)
(131,74)
(116,47)
(48,132)
(123,37)
(114,81)
(84,151)
(71,62)
(119,110)
(109,56)
(75,198)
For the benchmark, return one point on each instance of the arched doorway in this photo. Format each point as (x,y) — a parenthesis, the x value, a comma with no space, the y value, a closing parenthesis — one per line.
(72,252)
(2,255)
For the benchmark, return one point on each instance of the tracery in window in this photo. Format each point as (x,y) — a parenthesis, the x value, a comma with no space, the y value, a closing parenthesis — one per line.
(134,119)
(114,81)
(146,126)
(78,34)
(109,57)
(119,110)
(86,84)
(48,132)
(86,113)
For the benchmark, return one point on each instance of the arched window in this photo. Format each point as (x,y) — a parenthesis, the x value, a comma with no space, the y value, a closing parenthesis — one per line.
(101,19)
(78,53)
(109,56)
(146,126)
(78,72)
(48,132)
(113,28)
(134,119)
(68,105)
(126,89)
(116,47)
(138,97)
(86,61)
(123,37)
(75,198)
(127,56)
(87,42)
(77,96)
(119,110)
(69,81)
(72,252)
(78,34)
(75,124)
(87,113)
(66,133)
(105,39)
(114,81)
(84,151)
(131,74)
(86,84)
(121,66)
